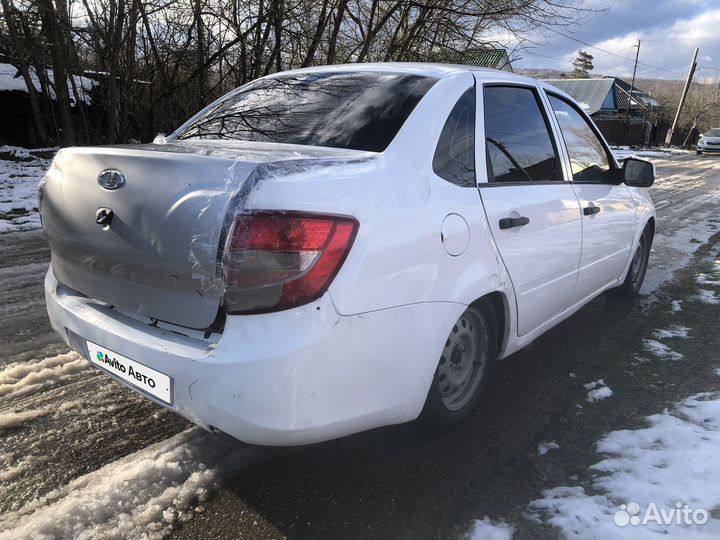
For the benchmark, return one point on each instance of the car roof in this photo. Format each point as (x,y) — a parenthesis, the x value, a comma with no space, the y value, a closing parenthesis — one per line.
(419,68)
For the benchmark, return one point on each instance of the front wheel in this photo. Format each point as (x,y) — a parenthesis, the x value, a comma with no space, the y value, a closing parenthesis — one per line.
(463,369)
(638,267)
(698,152)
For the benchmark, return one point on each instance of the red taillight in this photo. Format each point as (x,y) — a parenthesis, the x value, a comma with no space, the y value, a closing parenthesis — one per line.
(276,260)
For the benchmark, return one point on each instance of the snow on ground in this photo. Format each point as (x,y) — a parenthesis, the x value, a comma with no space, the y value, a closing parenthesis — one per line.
(21,378)
(622,152)
(11,471)
(603,392)
(707,297)
(487,529)
(598,390)
(139,496)
(20,172)
(544,447)
(671,461)
(704,279)
(660,350)
(673,331)
(15,419)
(686,195)
(676,306)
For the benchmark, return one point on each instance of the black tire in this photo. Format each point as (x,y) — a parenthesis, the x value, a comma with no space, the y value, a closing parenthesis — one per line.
(450,402)
(638,267)
(698,152)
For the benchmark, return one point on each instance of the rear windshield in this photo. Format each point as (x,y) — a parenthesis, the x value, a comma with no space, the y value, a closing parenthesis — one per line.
(358,110)
(713,133)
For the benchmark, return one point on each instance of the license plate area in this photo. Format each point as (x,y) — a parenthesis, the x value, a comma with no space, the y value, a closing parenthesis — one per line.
(140,376)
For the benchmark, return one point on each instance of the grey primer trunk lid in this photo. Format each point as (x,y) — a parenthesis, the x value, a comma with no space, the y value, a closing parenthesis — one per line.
(159,256)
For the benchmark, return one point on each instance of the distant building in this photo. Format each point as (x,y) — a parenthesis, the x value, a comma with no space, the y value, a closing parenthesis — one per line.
(485,57)
(606,101)
(17,123)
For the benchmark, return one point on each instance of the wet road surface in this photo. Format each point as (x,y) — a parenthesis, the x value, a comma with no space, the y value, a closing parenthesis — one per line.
(397,481)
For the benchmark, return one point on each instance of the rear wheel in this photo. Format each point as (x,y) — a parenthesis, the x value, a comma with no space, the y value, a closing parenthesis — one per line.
(638,267)
(463,368)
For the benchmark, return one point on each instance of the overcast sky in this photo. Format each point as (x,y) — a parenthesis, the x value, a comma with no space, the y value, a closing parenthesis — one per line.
(669,30)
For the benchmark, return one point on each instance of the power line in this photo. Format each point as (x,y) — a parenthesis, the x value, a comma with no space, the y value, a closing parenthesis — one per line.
(614,54)
(565,59)
(545,56)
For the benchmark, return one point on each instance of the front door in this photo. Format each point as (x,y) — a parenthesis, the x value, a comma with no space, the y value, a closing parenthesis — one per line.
(533,213)
(608,211)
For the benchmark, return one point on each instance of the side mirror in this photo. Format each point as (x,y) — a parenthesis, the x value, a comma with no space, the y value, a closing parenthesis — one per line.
(638,172)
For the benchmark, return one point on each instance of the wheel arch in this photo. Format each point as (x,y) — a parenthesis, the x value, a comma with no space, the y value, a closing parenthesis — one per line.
(498,302)
(650,225)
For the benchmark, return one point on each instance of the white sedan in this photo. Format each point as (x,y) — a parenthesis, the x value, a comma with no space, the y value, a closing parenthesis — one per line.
(329,250)
(709,141)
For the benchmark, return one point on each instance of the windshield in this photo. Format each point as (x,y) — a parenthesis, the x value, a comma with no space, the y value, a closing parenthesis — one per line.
(712,133)
(357,110)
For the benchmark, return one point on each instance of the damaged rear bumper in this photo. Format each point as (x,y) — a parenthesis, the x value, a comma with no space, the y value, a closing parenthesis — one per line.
(293,377)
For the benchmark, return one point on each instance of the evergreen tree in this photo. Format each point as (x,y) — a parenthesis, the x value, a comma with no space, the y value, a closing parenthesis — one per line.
(582,66)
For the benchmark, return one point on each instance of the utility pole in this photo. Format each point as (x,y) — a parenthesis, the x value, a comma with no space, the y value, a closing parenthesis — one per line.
(693,65)
(632,87)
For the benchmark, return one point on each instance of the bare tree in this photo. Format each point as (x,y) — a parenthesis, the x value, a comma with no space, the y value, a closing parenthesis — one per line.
(155,62)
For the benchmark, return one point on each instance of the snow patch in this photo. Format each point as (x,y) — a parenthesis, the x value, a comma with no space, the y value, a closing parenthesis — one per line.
(676,306)
(660,350)
(487,529)
(672,460)
(599,393)
(12,472)
(20,173)
(672,332)
(707,297)
(544,447)
(139,496)
(623,152)
(704,279)
(22,378)
(15,419)
(598,390)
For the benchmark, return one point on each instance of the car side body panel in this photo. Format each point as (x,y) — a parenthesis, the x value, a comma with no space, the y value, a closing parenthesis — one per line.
(364,354)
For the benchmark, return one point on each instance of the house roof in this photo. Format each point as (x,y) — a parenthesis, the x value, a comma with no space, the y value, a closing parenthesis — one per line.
(589,93)
(608,93)
(11,81)
(640,99)
(492,58)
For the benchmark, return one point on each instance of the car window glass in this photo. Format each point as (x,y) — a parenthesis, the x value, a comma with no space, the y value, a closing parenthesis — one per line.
(454,158)
(712,133)
(354,110)
(588,157)
(518,140)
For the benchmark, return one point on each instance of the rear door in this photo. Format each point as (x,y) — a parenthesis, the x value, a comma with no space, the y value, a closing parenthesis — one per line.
(608,211)
(533,212)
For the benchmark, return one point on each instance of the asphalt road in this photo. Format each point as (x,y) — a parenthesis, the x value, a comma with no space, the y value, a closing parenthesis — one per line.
(392,482)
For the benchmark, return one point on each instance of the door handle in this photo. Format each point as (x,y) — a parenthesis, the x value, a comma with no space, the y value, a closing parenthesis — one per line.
(591,210)
(510,222)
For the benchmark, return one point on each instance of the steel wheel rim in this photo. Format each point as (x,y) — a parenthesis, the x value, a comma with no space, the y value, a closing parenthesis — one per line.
(463,361)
